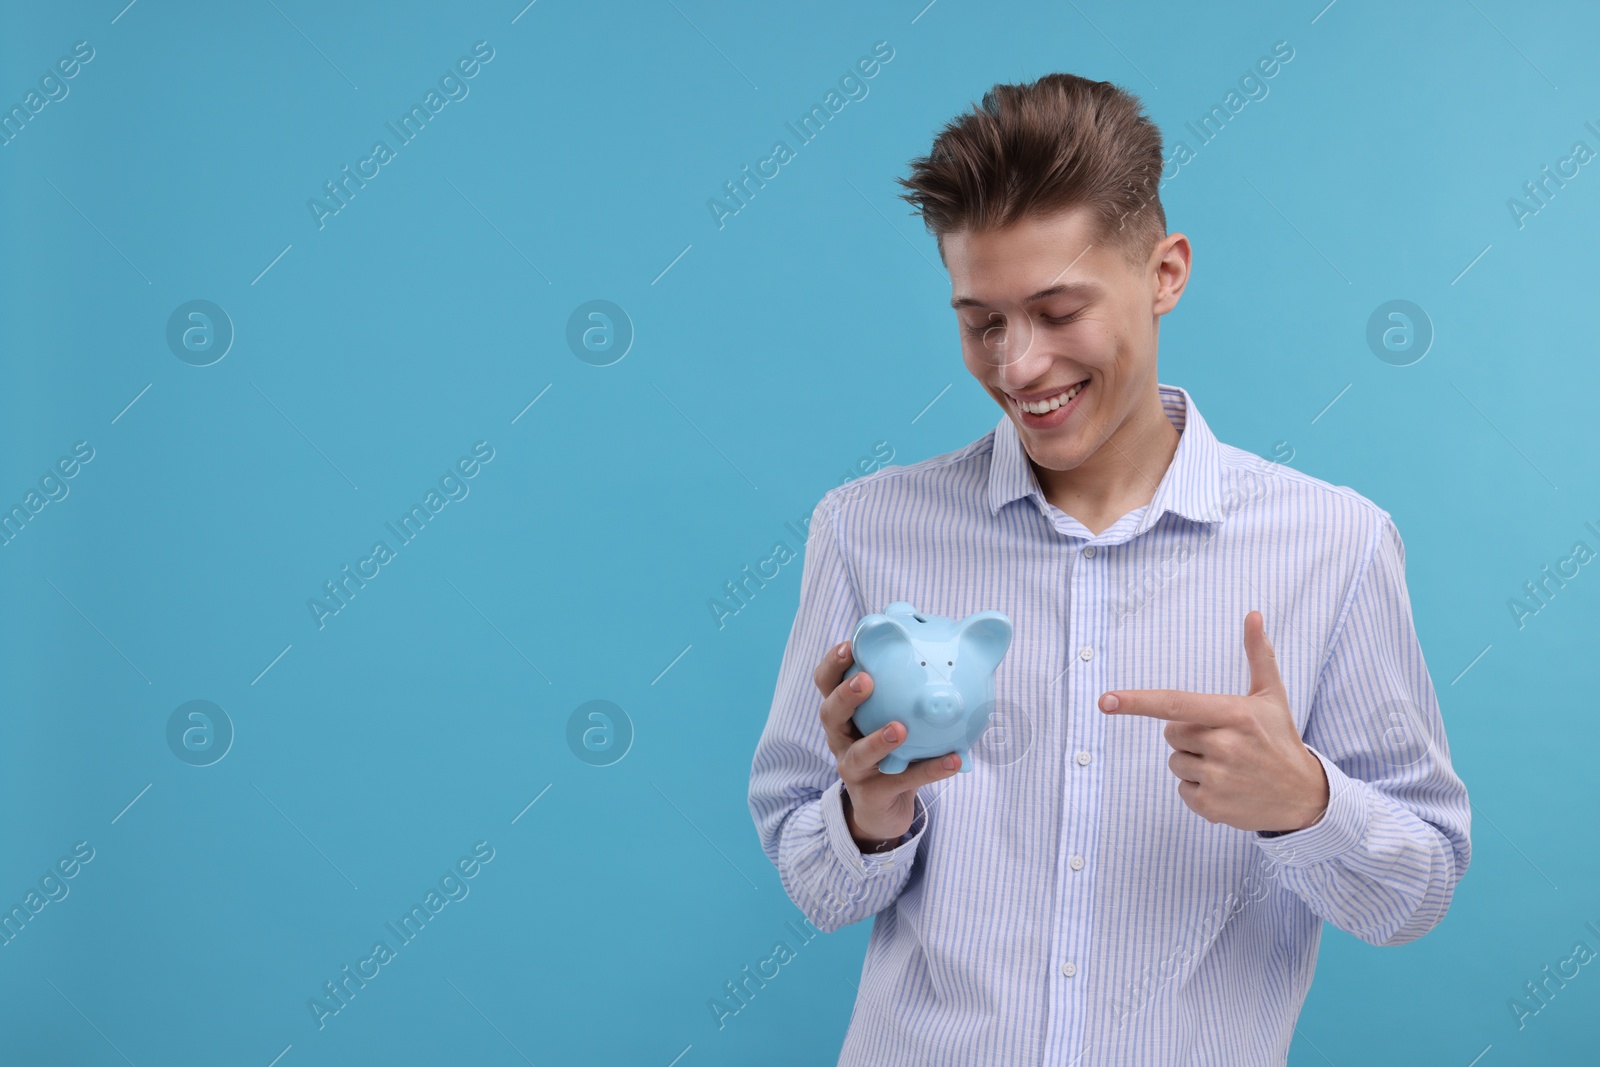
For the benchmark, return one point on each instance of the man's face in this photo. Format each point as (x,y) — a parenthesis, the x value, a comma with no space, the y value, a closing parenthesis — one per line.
(1045,305)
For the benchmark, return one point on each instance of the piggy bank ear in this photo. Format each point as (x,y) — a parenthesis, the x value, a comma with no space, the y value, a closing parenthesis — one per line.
(880,640)
(985,638)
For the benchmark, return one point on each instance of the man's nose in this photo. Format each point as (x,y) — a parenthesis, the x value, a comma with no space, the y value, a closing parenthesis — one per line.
(1021,357)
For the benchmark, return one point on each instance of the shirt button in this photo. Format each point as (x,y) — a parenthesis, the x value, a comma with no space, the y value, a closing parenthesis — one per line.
(1088,551)
(1083,759)
(1069,968)
(1086,653)
(1076,863)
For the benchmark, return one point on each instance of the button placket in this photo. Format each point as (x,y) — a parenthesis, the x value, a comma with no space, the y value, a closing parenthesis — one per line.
(1085,619)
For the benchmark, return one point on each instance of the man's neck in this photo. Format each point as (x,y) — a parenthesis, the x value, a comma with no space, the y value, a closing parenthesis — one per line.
(1121,475)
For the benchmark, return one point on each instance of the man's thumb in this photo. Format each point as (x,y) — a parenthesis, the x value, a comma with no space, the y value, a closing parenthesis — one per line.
(1263,660)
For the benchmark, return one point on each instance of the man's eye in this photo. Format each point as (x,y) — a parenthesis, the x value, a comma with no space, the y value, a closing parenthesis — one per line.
(999,324)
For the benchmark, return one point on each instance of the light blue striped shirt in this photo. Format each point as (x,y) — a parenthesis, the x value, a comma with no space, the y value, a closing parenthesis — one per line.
(1060,904)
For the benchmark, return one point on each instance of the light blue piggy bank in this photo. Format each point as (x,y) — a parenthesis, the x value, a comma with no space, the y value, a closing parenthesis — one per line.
(934,676)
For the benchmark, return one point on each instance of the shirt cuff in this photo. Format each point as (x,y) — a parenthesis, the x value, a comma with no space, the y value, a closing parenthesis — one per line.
(845,847)
(1342,826)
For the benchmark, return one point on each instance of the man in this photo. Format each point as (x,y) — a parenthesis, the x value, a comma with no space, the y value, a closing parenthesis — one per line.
(1168,803)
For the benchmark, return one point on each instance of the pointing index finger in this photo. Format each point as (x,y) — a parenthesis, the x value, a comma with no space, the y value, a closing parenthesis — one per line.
(1201,709)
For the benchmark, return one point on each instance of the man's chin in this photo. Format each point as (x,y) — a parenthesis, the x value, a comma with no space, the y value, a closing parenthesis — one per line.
(1052,455)
(1054,438)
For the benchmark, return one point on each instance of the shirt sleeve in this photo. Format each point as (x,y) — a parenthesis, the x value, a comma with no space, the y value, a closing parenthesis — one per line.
(1383,861)
(794,782)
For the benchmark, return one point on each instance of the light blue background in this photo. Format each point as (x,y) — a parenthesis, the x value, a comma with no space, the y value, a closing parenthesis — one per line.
(771,356)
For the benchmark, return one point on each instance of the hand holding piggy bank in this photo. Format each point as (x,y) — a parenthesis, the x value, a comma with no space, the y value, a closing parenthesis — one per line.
(933,675)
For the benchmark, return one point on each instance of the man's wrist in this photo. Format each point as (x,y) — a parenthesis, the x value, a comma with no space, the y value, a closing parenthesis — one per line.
(1324,792)
(1320,809)
(865,844)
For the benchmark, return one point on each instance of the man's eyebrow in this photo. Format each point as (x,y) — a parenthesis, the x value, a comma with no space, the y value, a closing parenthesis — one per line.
(1065,288)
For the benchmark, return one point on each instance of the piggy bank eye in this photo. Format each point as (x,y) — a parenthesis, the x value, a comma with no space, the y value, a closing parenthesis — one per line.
(924,663)
(949,663)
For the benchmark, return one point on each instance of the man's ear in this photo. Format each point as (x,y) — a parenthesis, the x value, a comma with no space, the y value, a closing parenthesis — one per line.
(880,640)
(1172,259)
(985,637)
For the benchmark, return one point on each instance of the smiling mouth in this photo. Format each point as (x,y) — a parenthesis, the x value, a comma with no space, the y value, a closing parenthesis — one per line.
(1049,403)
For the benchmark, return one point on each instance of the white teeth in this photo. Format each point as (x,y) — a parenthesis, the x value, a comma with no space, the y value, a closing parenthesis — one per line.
(1049,404)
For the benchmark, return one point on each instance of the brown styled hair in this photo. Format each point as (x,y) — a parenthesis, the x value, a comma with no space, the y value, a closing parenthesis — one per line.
(1038,147)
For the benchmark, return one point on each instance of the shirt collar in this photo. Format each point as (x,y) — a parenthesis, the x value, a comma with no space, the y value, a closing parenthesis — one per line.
(1191,486)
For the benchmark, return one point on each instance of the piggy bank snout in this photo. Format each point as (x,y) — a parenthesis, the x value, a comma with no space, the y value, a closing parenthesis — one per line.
(939,705)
